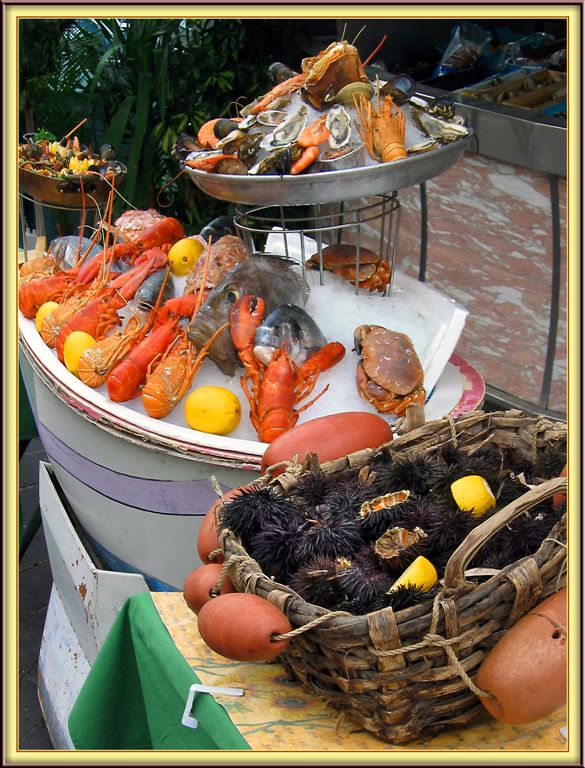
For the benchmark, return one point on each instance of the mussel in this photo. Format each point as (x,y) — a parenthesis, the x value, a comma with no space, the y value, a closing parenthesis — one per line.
(400,88)
(248,148)
(223,126)
(218,227)
(277,163)
(279,72)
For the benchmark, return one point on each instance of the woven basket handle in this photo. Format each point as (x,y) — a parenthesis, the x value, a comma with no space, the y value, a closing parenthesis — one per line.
(455,569)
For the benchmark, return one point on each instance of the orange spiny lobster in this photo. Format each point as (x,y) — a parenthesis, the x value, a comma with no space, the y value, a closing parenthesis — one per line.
(274,390)
(383,131)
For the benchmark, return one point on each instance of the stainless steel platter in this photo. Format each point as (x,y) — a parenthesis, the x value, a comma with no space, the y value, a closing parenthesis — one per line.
(330,186)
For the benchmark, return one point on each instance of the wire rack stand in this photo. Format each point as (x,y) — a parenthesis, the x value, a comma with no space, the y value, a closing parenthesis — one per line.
(303,230)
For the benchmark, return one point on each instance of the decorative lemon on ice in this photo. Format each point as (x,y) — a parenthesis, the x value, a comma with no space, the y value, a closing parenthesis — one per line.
(75,345)
(420,574)
(44,310)
(213,409)
(183,255)
(473,494)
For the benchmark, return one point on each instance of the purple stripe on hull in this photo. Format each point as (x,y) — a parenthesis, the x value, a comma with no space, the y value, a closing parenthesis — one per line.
(166,497)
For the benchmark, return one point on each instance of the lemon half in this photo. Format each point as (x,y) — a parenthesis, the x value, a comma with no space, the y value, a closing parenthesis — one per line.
(184,254)
(213,409)
(75,345)
(421,574)
(473,494)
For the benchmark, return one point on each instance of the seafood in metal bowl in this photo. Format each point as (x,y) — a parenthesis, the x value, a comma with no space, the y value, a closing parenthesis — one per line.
(276,279)
(374,270)
(225,254)
(389,374)
(291,327)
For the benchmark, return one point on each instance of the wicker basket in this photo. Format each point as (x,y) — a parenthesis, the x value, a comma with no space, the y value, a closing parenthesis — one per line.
(408,674)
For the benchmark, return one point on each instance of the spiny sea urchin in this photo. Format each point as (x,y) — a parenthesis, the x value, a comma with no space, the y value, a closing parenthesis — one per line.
(316,582)
(250,510)
(550,461)
(272,547)
(400,598)
(363,581)
(313,486)
(414,472)
(321,534)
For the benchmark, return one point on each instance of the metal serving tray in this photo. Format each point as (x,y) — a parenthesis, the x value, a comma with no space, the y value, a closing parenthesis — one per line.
(330,186)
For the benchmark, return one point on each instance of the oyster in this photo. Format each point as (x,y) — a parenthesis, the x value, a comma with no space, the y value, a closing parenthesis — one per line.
(288,131)
(443,131)
(339,123)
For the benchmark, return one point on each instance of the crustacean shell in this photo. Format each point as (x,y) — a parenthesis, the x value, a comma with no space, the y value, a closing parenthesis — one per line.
(346,94)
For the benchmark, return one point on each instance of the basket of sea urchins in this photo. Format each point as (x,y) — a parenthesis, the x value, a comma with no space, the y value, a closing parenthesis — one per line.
(400,568)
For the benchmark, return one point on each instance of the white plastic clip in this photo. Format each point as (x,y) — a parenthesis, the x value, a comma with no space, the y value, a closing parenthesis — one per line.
(192,722)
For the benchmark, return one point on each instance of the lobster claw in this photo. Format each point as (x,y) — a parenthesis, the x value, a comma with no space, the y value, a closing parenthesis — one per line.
(245,317)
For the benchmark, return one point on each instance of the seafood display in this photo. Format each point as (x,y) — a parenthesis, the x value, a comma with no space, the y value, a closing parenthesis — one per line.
(225,254)
(290,326)
(374,271)
(329,105)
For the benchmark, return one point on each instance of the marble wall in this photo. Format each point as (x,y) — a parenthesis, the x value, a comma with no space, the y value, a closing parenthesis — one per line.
(490,249)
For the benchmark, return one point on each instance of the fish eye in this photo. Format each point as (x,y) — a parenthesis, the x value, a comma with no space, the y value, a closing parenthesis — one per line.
(232,294)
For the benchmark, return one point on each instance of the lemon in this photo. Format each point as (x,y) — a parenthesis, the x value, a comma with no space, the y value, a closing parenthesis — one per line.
(75,345)
(183,255)
(473,494)
(213,409)
(44,310)
(420,574)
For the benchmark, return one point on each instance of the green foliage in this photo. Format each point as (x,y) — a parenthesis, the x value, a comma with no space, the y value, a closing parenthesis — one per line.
(141,83)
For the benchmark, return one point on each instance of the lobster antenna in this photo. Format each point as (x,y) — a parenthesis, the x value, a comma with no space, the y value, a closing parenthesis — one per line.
(199,301)
(375,51)
(358,34)
(82,223)
(162,189)
(162,289)
(344,29)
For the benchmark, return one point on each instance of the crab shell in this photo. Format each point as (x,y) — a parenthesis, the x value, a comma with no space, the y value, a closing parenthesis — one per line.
(374,270)
(336,66)
(389,375)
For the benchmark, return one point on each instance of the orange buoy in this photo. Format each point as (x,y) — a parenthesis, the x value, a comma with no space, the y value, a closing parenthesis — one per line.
(330,437)
(199,583)
(241,626)
(526,671)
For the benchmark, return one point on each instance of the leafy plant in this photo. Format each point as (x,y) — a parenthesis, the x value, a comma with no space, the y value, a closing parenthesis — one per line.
(143,82)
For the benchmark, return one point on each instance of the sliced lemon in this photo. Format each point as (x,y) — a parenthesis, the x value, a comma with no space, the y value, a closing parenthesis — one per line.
(184,254)
(213,409)
(473,494)
(44,310)
(421,574)
(75,345)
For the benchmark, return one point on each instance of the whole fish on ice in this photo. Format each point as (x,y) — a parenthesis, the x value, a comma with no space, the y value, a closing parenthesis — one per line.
(276,279)
(289,327)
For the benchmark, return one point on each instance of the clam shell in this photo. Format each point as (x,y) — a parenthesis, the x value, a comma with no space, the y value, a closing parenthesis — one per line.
(346,94)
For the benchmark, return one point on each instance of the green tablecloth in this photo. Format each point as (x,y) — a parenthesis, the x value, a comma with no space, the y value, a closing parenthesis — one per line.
(135,693)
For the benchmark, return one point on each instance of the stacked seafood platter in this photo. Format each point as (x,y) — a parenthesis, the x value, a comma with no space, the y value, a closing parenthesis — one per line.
(317,130)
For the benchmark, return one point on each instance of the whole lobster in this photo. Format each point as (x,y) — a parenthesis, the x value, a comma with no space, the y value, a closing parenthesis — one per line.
(274,390)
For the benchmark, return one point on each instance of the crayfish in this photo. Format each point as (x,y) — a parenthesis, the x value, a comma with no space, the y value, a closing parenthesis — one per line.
(273,390)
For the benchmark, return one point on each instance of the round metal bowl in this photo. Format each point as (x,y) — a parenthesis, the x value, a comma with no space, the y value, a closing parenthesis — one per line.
(66,193)
(330,186)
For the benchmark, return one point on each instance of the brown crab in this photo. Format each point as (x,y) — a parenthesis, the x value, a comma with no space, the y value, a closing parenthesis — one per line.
(389,375)
(374,270)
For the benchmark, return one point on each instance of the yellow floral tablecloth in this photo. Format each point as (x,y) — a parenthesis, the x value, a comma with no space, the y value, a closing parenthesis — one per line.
(276,714)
